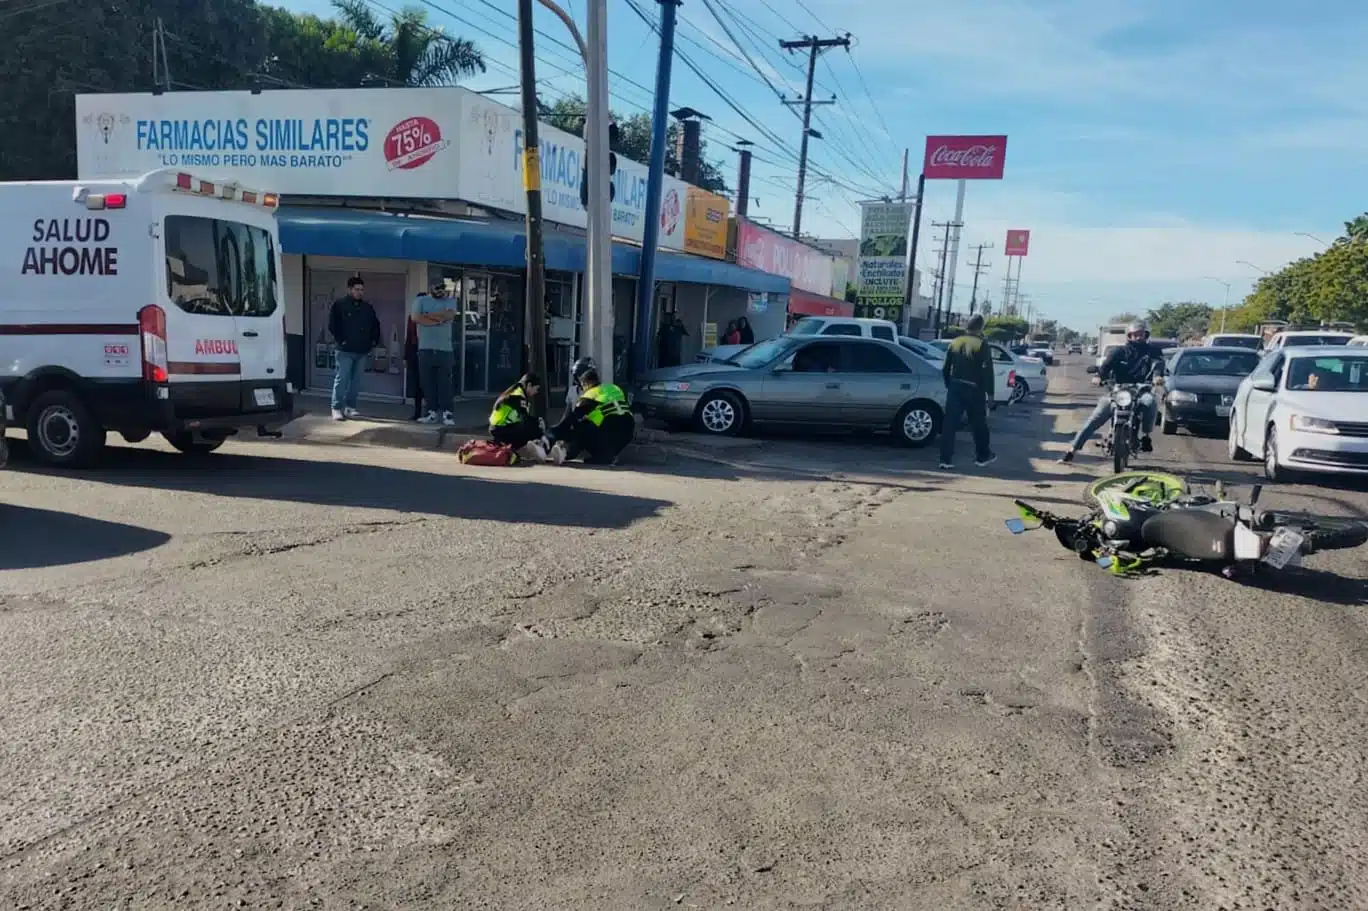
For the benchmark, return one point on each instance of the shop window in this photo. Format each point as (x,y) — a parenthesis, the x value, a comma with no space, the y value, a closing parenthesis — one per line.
(387,294)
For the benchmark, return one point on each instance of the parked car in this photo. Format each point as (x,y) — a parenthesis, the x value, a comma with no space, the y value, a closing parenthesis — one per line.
(1233,340)
(1304,409)
(1044,353)
(814,325)
(1030,377)
(802,380)
(1200,387)
(1004,374)
(1075,349)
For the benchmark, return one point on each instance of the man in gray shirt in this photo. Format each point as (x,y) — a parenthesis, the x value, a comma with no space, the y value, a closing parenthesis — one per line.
(433,314)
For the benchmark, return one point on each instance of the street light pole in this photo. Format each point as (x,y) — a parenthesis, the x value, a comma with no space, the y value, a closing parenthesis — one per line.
(1225,307)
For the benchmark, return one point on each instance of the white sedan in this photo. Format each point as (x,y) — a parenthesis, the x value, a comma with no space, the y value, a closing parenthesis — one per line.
(1304,409)
(1004,380)
(1028,373)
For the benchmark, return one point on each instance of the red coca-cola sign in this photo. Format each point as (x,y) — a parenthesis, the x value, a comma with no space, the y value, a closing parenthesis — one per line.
(965,157)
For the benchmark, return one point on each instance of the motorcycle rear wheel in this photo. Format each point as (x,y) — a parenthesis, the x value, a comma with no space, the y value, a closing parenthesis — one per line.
(1320,532)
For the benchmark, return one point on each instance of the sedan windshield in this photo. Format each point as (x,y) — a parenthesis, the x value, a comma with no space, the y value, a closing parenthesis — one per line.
(1328,374)
(806,327)
(1307,341)
(1252,342)
(762,353)
(1235,362)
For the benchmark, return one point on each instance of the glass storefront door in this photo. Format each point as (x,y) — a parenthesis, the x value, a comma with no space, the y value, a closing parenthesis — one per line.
(475,328)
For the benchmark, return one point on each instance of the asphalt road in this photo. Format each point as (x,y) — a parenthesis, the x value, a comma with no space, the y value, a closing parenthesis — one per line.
(813,675)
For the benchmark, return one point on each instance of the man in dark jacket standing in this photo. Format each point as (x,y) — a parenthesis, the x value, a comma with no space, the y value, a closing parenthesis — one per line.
(968,374)
(356,331)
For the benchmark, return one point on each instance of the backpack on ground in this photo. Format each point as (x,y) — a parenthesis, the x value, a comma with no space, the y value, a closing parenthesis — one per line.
(487,452)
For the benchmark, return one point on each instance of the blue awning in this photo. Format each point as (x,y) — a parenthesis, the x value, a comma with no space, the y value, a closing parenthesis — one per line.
(365,234)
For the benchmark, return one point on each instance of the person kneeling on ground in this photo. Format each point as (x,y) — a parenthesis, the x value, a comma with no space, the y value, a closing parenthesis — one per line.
(598,428)
(512,422)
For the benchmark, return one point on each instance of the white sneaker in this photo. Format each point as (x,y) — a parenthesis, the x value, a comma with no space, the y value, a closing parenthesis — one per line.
(448,420)
(338,414)
(539,450)
(352,413)
(429,418)
(558,453)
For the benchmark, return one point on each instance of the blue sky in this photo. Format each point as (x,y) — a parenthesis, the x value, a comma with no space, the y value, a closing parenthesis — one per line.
(1151,146)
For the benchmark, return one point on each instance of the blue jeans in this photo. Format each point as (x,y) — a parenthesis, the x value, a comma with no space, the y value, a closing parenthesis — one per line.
(967,399)
(434,375)
(1102,414)
(347,379)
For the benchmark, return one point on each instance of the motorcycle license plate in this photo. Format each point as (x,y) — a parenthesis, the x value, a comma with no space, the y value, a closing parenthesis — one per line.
(1284,548)
(1222,411)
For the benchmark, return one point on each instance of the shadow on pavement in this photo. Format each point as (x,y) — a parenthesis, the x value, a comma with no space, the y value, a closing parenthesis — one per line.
(457,496)
(1316,585)
(40,538)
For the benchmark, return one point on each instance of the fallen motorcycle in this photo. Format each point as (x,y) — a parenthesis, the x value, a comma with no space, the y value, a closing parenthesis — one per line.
(1140,518)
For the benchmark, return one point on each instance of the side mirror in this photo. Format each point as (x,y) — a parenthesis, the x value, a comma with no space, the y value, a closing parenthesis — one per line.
(1264,383)
(781,368)
(1092,368)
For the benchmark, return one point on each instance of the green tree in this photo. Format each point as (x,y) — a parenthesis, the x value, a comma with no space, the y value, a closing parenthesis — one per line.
(1123,317)
(1005,328)
(634,139)
(1184,321)
(319,53)
(415,53)
(1356,230)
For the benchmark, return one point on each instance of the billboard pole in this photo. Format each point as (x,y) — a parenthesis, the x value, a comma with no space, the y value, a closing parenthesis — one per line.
(958,222)
(912,294)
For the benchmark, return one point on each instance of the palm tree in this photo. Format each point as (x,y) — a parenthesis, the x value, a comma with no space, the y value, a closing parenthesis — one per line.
(417,54)
(1356,230)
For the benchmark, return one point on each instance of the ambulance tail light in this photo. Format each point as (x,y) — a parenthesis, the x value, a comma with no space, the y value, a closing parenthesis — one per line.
(1011,379)
(152,328)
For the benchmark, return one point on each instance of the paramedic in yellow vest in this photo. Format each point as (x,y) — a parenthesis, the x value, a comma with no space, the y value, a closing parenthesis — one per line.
(512,421)
(598,428)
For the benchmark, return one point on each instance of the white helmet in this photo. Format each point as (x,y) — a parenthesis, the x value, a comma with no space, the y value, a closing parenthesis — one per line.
(1138,327)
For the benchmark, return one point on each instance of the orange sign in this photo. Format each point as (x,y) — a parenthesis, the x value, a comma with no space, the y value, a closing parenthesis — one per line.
(705,224)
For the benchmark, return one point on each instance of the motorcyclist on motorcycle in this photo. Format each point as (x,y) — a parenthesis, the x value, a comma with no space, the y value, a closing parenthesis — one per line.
(1135,363)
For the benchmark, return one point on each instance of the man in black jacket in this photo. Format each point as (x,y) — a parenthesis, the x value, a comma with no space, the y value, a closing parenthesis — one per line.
(356,331)
(1135,363)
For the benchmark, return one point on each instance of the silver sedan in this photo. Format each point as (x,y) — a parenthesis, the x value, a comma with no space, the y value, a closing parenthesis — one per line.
(827,383)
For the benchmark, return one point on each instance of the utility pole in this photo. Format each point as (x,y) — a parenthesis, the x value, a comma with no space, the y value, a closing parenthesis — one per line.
(534,314)
(814,46)
(902,197)
(743,177)
(1008,307)
(945,278)
(655,185)
(598,328)
(979,268)
(161,77)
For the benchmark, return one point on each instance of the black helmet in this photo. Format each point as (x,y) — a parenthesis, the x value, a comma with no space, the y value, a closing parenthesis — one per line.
(582,366)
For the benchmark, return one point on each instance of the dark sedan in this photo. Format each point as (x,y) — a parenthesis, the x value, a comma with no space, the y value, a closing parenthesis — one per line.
(1201,385)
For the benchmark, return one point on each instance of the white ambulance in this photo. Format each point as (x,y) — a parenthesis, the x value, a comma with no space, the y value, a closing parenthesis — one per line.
(140,306)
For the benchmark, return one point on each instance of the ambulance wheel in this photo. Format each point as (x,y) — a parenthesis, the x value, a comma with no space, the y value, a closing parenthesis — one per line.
(62,431)
(187,443)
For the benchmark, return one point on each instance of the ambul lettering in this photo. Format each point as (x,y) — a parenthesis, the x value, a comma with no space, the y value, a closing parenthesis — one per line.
(71,261)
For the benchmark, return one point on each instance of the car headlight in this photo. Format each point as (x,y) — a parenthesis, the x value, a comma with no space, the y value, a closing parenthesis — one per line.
(1308,424)
(674,386)
(1183,398)
(1123,398)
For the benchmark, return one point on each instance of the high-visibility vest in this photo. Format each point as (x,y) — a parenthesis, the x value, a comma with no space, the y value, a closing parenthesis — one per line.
(505,413)
(610,399)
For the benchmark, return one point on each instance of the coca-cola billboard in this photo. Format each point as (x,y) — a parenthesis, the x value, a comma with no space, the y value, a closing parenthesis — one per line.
(763,249)
(1018,242)
(965,157)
